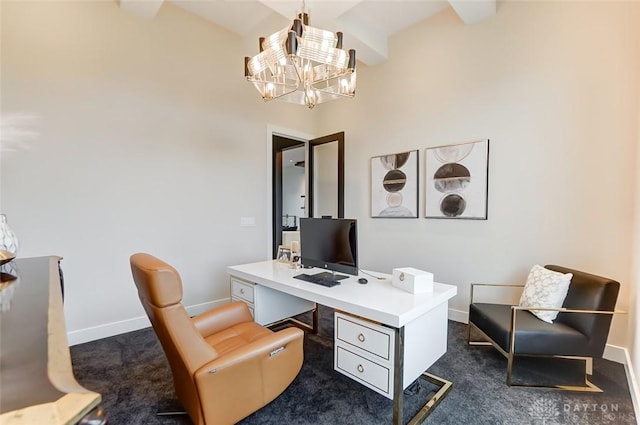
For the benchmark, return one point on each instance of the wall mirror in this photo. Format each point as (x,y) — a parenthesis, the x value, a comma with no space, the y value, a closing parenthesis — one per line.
(326,176)
(308,181)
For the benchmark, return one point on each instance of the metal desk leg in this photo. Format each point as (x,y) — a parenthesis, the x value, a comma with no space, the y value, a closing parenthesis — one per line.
(398,386)
(398,377)
(445,386)
(298,324)
(316,320)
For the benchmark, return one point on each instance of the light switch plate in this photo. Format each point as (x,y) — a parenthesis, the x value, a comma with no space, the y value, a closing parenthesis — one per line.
(247,222)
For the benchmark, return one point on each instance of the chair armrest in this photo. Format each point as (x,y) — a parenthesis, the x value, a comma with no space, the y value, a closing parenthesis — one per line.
(567,310)
(270,345)
(473,285)
(245,379)
(515,308)
(220,318)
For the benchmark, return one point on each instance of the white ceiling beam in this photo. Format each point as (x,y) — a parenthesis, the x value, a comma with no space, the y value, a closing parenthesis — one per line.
(368,25)
(472,11)
(321,13)
(146,9)
(371,45)
(239,17)
(369,54)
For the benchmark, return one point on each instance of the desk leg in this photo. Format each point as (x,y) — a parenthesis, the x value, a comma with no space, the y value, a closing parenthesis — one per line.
(398,386)
(298,324)
(316,320)
(445,386)
(398,373)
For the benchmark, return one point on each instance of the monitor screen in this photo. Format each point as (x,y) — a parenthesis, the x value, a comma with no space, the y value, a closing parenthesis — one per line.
(329,243)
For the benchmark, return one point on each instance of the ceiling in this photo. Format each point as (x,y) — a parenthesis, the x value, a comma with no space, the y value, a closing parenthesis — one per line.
(366,24)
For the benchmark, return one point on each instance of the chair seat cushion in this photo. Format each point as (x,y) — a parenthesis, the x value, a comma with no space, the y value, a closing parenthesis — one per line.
(236,336)
(533,336)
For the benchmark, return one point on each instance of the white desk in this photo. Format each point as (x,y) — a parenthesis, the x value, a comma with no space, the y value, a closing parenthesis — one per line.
(411,329)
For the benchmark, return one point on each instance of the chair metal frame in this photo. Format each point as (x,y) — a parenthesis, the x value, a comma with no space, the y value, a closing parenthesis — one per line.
(510,355)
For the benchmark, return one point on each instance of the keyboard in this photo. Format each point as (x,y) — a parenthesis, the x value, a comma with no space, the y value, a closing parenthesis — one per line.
(317,280)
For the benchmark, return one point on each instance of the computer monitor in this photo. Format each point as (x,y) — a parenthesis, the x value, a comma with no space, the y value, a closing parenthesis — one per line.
(331,244)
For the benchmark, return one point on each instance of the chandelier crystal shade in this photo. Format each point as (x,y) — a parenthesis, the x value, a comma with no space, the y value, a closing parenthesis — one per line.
(302,64)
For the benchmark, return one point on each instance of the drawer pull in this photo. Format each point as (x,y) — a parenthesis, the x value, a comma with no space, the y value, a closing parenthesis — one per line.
(361,337)
(360,368)
(242,290)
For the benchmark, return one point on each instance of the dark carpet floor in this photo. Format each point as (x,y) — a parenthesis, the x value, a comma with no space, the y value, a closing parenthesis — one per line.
(131,373)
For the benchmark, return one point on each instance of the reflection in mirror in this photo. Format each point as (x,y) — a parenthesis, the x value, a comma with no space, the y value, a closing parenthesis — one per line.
(293,194)
(326,176)
(325,182)
(292,188)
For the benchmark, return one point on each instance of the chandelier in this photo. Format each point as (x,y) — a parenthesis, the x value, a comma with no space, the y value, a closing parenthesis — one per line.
(302,64)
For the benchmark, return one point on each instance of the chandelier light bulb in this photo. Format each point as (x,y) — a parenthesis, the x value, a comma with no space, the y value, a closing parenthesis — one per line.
(269,91)
(310,97)
(344,86)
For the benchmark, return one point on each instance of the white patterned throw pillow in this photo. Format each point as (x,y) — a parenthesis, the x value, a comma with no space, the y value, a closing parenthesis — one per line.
(545,288)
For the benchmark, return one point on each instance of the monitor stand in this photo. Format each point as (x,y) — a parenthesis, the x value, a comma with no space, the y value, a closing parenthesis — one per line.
(331,276)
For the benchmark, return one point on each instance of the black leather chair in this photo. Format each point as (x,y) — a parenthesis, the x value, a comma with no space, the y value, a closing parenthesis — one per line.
(579,332)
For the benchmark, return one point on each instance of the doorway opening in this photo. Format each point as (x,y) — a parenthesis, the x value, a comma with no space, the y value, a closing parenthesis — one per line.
(321,193)
(289,190)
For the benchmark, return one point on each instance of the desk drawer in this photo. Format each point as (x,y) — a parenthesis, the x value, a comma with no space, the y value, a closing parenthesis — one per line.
(367,336)
(373,375)
(243,290)
(250,306)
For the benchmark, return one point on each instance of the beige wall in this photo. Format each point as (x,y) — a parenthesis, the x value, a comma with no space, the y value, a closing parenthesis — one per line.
(150,140)
(548,83)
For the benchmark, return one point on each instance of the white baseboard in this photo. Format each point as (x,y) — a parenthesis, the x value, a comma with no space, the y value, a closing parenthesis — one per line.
(196,309)
(634,390)
(616,354)
(81,336)
(621,355)
(458,316)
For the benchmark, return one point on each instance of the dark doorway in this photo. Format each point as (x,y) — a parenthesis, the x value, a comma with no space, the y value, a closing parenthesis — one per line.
(279,145)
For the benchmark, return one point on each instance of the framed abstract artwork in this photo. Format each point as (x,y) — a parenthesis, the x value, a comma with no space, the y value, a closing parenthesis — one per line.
(394,185)
(457,180)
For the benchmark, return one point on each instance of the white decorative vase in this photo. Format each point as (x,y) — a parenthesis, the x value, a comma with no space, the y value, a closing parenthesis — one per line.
(8,239)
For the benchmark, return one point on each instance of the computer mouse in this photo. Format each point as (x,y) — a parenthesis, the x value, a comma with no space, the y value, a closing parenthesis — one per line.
(362,280)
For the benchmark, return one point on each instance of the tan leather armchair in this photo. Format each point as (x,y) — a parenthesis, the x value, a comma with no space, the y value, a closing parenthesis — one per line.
(224,365)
